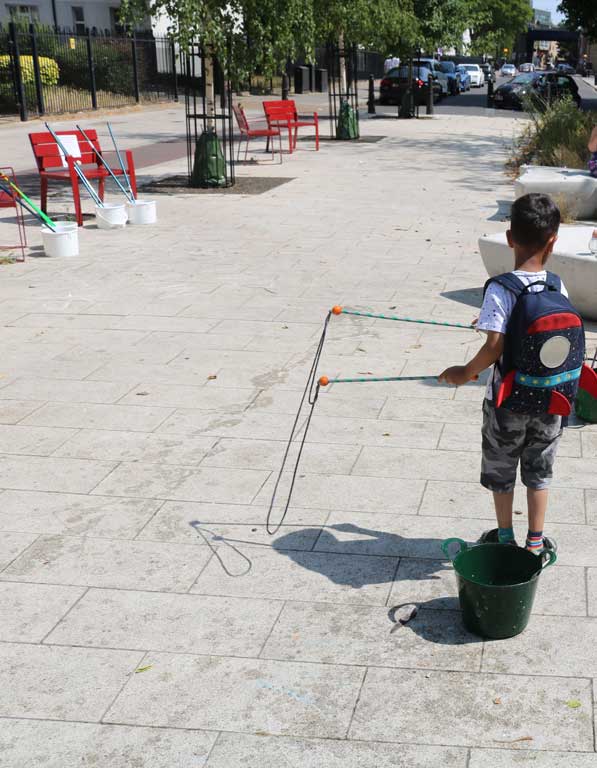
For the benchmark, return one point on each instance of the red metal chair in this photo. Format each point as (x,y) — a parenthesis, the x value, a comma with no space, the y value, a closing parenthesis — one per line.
(50,165)
(249,133)
(8,201)
(283,114)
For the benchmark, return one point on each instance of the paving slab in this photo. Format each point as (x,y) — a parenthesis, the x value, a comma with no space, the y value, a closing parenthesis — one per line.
(37,473)
(108,563)
(267,454)
(223,626)
(457,499)
(430,465)
(363,635)
(119,445)
(288,574)
(234,750)
(12,411)
(529,708)
(509,758)
(245,695)
(172,522)
(30,611)
(75,514)
(359,494)
(64,391)
(546,638)
(237,486)
(42,681)
(32,743)
(11,546)
(562,591)
(135,418)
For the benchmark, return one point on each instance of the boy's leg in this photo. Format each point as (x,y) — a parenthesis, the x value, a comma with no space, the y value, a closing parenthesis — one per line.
(536,466)
(504,503)
(503,439)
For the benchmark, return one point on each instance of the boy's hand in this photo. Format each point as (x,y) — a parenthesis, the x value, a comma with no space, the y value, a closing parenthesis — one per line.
(456,375)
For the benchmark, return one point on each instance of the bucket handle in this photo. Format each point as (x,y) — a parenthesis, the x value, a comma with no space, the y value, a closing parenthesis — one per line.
(446,545)
(549,557)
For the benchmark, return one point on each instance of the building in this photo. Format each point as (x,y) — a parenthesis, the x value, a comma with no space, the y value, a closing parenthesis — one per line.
(78,16)
(541,18)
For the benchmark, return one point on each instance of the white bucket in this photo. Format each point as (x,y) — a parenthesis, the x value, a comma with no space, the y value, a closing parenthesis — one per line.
(142,212)
(110,216)
(63,242)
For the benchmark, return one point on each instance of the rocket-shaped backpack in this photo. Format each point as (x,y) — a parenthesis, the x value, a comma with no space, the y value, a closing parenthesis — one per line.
(544,349)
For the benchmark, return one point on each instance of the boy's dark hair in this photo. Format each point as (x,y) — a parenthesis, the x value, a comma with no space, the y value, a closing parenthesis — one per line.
(533,220)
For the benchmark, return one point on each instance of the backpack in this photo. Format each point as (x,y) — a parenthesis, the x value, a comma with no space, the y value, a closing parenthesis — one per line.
(544,349)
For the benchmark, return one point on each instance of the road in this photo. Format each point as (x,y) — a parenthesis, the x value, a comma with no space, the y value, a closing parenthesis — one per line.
(474,102)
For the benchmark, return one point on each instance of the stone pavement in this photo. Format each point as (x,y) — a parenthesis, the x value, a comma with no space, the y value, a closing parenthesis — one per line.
(152,382)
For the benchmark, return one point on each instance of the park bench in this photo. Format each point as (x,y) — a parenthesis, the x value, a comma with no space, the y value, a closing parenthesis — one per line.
(248,133)
(51,164)
(283,114)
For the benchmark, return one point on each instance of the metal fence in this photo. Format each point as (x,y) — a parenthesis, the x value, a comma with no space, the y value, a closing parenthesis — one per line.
(47,72)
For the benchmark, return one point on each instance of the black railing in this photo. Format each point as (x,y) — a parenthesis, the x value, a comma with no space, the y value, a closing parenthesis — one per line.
(47,72)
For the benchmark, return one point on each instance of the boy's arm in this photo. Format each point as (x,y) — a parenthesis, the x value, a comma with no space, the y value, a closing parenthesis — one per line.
(489,353)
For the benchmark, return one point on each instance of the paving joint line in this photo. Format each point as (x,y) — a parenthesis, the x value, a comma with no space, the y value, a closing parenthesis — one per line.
(61,619)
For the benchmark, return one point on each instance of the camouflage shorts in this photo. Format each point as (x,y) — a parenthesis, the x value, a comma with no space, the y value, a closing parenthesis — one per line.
(512,437)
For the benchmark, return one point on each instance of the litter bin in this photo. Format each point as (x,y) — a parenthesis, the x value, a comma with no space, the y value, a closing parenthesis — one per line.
(301,79)
(496,586)
(321,80)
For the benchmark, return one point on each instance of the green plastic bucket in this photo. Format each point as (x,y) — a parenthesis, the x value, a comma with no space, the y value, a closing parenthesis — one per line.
(496,586)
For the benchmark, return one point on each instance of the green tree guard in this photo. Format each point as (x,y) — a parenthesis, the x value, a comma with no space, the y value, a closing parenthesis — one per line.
(209,168)
(348,126)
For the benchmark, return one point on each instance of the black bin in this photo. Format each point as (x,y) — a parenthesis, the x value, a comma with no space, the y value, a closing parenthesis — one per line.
(321,80)
(301,79)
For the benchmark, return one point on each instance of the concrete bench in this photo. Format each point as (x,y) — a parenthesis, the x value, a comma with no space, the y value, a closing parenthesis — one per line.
(571,259)
(578,189)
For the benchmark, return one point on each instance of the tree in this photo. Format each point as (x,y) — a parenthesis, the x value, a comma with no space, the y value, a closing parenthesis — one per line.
(374,24)
(581,14)
(497,24)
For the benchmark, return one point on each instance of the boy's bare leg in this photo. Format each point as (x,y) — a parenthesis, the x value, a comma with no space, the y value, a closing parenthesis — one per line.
(537,505)
(503,508)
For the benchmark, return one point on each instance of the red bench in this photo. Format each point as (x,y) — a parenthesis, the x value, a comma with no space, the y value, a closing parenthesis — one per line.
(50,165)
(282,114)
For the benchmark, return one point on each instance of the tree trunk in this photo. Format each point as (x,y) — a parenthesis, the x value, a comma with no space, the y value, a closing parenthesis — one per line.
(210,90)
(342,64)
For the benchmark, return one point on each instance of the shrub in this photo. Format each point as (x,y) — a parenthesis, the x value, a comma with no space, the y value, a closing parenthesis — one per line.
(557,134)
(48,70)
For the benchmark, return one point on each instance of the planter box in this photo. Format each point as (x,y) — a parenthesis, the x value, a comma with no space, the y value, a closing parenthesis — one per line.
(571,260)
(578,189)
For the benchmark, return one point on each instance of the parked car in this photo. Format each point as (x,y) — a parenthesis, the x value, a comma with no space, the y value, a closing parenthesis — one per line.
(488,72)
(395,84)
(434,66)
(454,82)
(526,67)
(546,85)
(508,70)
(476,73)
(465,77)
(565,69)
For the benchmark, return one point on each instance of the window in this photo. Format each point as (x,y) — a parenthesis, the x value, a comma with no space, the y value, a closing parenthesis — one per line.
(30,12)
(116,26)
(78,20)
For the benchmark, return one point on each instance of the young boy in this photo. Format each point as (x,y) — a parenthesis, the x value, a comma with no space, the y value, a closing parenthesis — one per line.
(509,436)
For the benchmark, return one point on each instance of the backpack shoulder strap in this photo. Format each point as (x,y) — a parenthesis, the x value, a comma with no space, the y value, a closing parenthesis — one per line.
(553,281)
(508,281)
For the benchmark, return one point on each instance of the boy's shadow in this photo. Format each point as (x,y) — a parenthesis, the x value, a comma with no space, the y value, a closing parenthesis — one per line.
(350,563)
(358,571)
